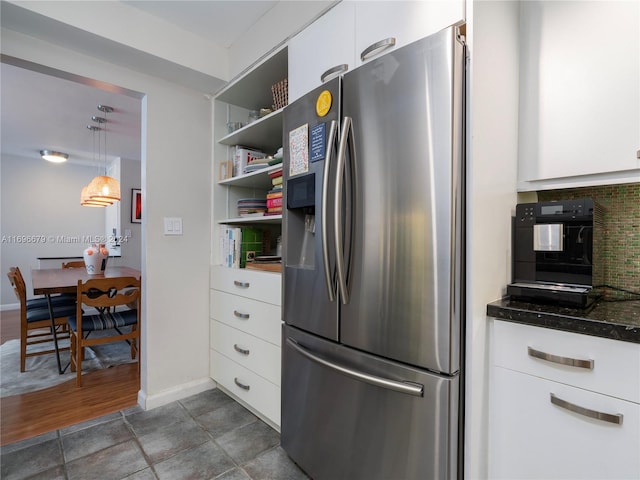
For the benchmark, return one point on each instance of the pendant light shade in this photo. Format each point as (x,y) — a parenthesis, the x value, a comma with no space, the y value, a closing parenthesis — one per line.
(104,189)
(85,201)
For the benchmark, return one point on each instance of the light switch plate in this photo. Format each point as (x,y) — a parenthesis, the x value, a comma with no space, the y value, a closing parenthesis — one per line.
(172,225)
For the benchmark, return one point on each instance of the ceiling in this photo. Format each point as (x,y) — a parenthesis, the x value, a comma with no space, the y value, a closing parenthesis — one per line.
(42,111)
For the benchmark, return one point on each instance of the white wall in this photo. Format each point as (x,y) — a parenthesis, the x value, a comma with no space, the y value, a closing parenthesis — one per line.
(40,210)
(127,25)
(130,177)
(176,173)
(492,162)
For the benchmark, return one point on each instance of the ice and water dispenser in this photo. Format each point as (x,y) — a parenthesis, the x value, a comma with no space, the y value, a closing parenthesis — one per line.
(301,221)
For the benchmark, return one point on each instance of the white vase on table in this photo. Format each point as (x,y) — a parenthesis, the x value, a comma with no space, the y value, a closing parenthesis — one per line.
(95,258)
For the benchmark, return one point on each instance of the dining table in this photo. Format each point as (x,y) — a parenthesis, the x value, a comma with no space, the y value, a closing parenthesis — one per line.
(52,281)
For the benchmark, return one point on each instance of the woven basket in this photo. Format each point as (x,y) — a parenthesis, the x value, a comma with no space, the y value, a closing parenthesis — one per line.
(280,93)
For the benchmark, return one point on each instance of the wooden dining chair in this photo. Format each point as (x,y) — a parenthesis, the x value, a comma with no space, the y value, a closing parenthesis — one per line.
(74,264)
(101,295)
(35,319)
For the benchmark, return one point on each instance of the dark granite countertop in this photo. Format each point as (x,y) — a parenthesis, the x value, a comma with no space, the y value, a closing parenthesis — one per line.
(617,320)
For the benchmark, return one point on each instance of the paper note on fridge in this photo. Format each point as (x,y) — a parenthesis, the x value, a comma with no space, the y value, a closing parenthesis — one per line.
(299,150)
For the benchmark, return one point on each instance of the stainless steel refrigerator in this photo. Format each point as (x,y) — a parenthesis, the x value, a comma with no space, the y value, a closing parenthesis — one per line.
(374,240)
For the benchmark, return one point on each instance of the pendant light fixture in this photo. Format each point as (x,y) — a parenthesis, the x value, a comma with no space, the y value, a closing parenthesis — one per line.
(85,201)
(104,188)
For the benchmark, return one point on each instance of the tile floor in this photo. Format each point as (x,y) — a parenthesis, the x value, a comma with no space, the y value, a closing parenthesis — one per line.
(206,436)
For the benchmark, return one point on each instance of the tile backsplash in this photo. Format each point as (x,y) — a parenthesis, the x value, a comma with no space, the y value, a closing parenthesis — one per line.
(616,240)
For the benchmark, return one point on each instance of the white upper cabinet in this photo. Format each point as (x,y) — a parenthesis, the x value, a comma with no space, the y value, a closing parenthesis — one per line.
(354,32)
(579,93)
(401,22)
(325,46)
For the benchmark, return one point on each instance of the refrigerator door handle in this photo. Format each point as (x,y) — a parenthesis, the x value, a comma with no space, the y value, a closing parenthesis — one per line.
(347,132)
(408,388)
(325,196)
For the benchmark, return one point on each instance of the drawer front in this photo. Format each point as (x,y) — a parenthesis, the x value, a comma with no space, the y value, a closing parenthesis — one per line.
(250,352)
(532,437)
(249,387)
(615,368)
(259,319)
(263,286)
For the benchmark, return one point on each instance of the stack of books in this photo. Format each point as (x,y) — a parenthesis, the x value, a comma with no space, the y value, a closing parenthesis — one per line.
(274,196)
(252,207)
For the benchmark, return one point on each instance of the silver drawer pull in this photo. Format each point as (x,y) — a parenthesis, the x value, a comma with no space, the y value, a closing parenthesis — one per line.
(243,351)
(240,284)
(241,385)
(572,362)
(333,72)
(615,418)
(241,315)
(381,45)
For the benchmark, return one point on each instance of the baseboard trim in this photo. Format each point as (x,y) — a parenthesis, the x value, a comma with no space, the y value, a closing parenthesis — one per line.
(149,402)
(9,306)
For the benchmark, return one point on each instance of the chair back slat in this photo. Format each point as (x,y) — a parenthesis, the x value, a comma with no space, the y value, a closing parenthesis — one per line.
(74,264)
(19,287)
(109,292)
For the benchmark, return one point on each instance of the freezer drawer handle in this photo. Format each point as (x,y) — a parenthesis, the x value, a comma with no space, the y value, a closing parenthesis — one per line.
(403,387)
(241,385)
(572,362)
(381,45)
(587,412)
(241,315)
(333,72)
(240,284)
(243,351)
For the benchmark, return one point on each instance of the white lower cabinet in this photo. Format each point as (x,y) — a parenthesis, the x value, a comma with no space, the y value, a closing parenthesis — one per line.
(262,396)
(554,421)
(535,438)
(245,338)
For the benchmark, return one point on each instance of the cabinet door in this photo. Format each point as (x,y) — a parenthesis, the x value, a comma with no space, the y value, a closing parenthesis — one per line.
(323,45)
(592,363)
(405,21)
(531,437)
(579,100)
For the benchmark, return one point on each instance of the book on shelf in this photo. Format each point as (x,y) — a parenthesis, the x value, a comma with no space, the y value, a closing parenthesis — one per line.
(244,156)
(274,203)
(271,195)
(276,172)
(276,181)
(239,244)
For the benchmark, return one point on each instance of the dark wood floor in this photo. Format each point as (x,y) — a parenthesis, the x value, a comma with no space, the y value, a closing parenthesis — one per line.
(30,414)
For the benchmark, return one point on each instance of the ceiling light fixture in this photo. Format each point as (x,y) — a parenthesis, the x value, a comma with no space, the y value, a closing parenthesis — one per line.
(53,156)
(104,188)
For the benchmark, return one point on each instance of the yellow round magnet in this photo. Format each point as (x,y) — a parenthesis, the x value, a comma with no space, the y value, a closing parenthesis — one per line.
(323,103)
